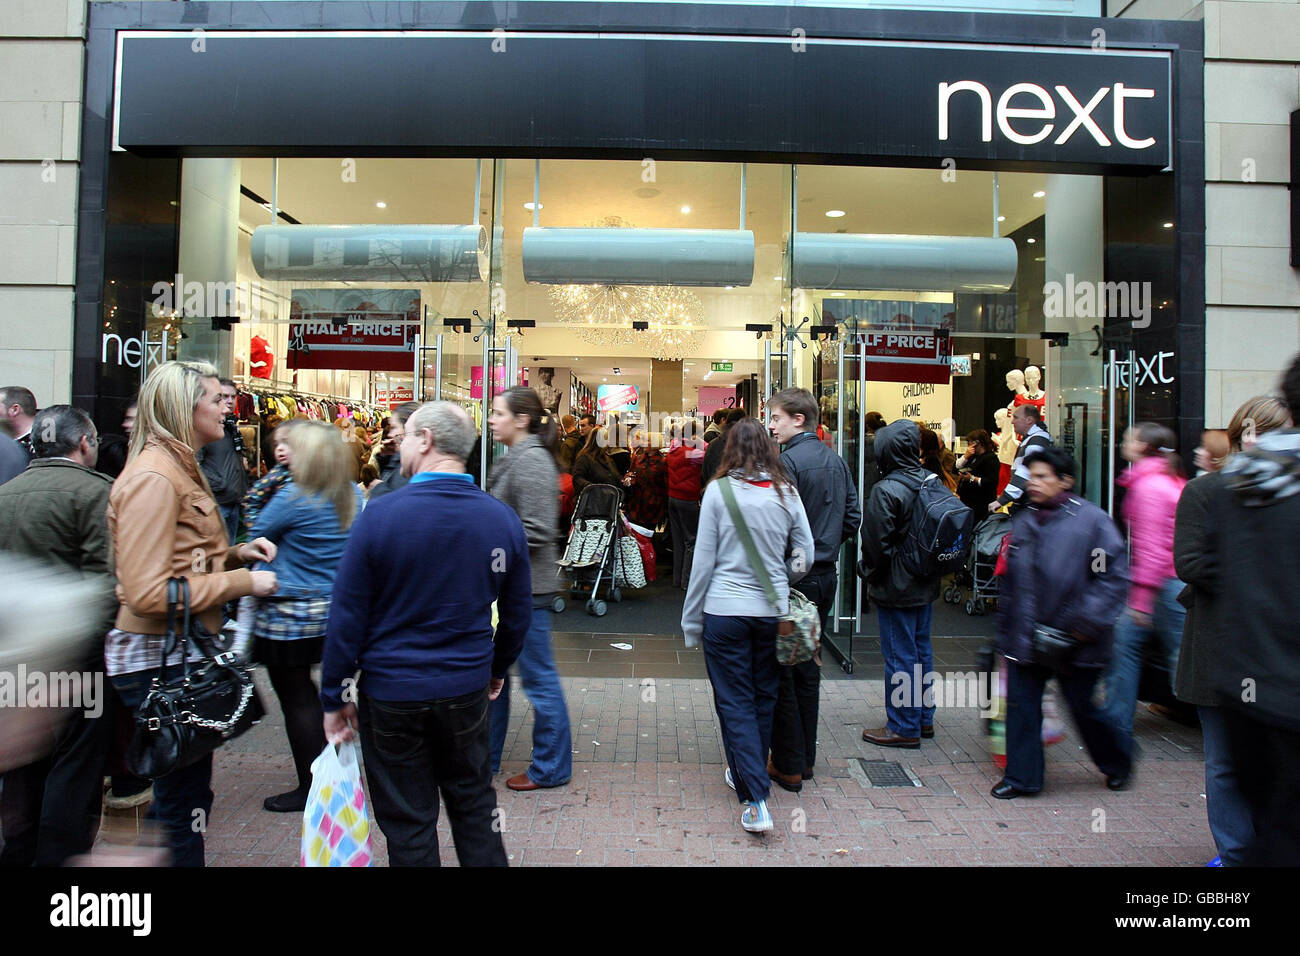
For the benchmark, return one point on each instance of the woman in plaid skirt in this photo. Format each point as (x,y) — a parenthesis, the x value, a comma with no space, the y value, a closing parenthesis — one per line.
(308,519)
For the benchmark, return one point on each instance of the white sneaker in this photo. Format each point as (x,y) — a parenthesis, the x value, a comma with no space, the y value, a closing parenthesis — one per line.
(727,776)
(755,817)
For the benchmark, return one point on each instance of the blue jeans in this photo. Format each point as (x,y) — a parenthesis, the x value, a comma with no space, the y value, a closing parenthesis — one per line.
(179,796)
(230,515)
(1125,671)
(552,762)
(740,655)
(1225,804)
(905,645)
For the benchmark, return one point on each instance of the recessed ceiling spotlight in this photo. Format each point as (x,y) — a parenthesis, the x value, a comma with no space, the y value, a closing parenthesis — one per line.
(604,380)
(728,286)
(778,278)
(686,209)
(1002,218)
(381,205)
(835,213)
(1040,194)
(533,205)
(1168,225)
(837,295)
(1031,240)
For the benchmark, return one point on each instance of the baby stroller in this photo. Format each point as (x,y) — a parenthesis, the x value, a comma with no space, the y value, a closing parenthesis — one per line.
(592,551)
(978,575)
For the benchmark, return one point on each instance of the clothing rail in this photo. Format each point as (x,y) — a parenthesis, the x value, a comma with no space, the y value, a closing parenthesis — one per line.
(274,390)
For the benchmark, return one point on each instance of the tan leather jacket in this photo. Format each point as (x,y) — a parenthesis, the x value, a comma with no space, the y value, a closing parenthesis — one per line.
(165,523)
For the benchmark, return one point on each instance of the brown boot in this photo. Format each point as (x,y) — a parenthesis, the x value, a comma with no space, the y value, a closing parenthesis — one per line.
(786,781)
(884,737)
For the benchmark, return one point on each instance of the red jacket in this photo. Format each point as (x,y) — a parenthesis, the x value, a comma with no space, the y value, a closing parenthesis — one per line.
(684,473)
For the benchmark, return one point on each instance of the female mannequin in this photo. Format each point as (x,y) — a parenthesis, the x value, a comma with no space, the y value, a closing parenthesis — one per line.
(1032,394)
(1007,442)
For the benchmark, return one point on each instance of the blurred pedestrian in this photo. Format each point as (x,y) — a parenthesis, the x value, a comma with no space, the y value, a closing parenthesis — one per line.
(391,478)
(1066,572)
(727,604)
(713,453)
(57,511)
(646,498)
(222,462)
(570,442)
(165,524)
(1153,485)
(308,521)
(1196,561)
(429,665)
(685,459)
(17,410)
(937,459)
(593,464)
(978,470)
(830,503)
(1254,658)
(1213,451)
(526,479)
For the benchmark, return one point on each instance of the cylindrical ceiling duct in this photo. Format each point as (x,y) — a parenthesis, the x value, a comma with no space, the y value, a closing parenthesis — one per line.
(616,256)
(903,263)
(409,253)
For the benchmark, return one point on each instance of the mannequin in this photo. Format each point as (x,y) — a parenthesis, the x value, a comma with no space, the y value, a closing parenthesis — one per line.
(1031,394)
(1007,442)
(1016,386)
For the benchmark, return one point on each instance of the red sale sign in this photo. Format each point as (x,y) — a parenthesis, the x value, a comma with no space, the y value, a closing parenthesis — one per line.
(364,329)
(908,356)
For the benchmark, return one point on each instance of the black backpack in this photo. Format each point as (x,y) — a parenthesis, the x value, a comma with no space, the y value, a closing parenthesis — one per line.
(938,534)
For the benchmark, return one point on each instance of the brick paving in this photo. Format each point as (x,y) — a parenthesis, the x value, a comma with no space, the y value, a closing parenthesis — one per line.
(648,789)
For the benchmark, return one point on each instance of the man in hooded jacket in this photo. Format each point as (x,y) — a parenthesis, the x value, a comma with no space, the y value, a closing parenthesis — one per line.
(904,603)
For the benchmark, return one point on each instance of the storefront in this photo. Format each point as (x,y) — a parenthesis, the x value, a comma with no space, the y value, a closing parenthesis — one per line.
(921,215)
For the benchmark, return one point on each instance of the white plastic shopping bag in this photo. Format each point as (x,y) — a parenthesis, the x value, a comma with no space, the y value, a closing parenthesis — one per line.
(335,824)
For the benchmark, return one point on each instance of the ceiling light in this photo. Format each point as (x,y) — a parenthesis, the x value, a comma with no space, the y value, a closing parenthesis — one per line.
(728,286)
(837,294)
(1168,225)
(1031,240)
(686,209)
(1002,218)
(604,380)
(835,213)
(533,205)
(1040,194)
(381,205)
(778,278)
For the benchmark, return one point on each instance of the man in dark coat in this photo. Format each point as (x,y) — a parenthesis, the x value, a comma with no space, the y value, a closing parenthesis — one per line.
(1066,568)
(57,511)
(1255,654)
(904,603)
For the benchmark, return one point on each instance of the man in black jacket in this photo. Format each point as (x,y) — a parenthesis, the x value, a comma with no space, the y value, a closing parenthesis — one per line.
(1255,655)
(223,463)
(904,603)
(826,489)
(713,453)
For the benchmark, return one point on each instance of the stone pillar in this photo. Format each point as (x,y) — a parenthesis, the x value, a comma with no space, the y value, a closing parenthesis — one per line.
(209,253)
(665,387)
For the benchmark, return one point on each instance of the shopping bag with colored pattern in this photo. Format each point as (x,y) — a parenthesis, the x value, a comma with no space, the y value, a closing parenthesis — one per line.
(335,825)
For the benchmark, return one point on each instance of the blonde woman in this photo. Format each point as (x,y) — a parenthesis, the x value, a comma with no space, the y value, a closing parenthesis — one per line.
(165,524)
(308,520)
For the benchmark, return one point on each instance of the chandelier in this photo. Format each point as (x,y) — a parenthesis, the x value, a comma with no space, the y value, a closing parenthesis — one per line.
(603,315)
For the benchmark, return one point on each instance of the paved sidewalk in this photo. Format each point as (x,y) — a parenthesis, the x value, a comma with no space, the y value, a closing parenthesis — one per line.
(648,790)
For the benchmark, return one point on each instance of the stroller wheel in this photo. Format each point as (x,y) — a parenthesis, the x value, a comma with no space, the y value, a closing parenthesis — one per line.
(970,606)
(950,594)
(597,608)
(557,605)
(615,595)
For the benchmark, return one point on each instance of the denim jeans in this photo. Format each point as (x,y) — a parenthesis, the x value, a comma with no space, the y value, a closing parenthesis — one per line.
(552,762)
(1125,671)
(414,750)
(182,801)
(230,516)
(740,655)
(1225,804)
(905,645)
(794,725)
(1025,684)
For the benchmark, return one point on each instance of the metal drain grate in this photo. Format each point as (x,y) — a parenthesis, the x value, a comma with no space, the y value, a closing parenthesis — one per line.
(887,773)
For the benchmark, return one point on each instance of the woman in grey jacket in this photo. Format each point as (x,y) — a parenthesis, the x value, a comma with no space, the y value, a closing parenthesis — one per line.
(527,479)
(727,607)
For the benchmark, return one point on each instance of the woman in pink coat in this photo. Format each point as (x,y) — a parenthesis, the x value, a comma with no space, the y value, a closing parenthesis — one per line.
(1153,485)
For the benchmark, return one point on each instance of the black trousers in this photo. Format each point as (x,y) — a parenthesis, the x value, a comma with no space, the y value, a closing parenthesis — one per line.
(794,725)
(1266,760)
(415,750)
(49,810)
(1025,683)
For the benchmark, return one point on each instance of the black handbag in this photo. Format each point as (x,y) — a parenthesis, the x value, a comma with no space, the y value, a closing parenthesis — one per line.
(1054,648)
(188,715)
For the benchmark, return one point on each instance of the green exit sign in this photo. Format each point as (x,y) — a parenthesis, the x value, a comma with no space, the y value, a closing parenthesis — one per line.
(720,366)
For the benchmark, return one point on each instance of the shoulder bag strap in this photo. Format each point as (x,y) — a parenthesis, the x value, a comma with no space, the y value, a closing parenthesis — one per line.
(742,530)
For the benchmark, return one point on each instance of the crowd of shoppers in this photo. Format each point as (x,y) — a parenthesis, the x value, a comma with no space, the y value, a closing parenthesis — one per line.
(357,579)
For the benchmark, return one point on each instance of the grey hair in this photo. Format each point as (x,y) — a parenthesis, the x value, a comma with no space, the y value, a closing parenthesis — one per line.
(452,430)
(57,431)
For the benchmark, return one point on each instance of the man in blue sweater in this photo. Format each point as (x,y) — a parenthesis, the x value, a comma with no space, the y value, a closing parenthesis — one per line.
(412,610)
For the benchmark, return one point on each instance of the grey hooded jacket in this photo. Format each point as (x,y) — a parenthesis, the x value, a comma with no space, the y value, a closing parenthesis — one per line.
(527,479)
